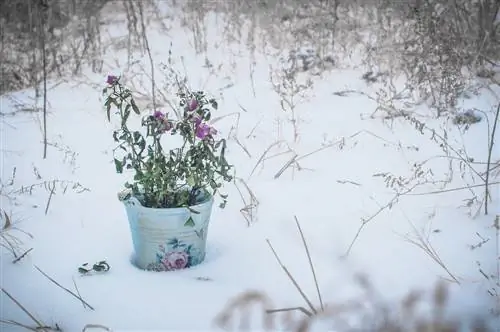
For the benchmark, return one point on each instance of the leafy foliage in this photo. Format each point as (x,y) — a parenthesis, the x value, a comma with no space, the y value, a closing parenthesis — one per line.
(179,177)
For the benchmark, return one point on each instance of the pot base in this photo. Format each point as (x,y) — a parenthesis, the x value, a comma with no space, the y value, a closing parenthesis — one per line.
(168,239)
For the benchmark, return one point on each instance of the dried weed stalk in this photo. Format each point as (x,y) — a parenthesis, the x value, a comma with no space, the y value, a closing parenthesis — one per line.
(421,239)
(85,303)
(251,203)
(287,84)
(368,313)
(39,325)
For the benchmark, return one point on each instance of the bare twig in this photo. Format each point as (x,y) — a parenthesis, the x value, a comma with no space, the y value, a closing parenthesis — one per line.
(488,165)
(78,292)
(66,289)
(285,167)
(423,243)
(52,187)
(22,256)
(349,181)
(310,263)
(95,326)
(263,156)
(292,279)
(301,309)
(44,64)
(244,148)
(36,321)
(253,129)
(248,210)
(14,323)
(327,146)
(364,221)
(146,43)
(451,189)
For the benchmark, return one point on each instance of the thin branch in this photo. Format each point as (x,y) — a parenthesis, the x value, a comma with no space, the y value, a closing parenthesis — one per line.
(302,309)
(285,167)
(22,256)
(78,291)
(450,190)
(292,279)
(310,263)
(263,156)
(12,322)
(44,64)
(488,165)
(66,289)
(52,187)
(37,322)
(95,326)
(146,43)
(364,222)
(423,243)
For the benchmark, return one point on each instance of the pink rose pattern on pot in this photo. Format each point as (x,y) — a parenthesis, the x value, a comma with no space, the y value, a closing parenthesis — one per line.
(175,255)
(175,260)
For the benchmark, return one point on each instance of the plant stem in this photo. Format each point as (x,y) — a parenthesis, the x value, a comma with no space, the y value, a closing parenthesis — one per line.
(488,164)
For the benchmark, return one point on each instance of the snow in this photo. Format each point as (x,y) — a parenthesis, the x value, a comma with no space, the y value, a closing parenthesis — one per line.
(330,196)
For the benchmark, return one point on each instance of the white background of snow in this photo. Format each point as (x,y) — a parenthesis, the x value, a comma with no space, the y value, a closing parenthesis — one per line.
(92,226)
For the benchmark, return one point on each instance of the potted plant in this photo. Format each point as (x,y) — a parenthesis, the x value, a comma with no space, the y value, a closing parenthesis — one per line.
(169,199)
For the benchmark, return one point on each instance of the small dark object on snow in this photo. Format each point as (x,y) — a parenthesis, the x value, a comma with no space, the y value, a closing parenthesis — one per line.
(371,77)
(466,118)
(101,266)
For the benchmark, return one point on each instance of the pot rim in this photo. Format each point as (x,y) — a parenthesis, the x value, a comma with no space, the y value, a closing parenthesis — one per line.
(126,194)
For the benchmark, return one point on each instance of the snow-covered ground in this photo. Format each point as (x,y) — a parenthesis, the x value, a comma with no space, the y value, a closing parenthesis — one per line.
(331,194)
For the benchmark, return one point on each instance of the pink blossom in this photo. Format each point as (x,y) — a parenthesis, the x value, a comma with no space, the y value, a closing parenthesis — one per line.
(175,260)
(111,79)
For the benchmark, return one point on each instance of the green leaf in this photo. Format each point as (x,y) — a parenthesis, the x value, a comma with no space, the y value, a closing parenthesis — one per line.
(137,136)
(214,103)
(126,114)
(193,210)
(189,222)
(134,107)
(108,108)
(118,166)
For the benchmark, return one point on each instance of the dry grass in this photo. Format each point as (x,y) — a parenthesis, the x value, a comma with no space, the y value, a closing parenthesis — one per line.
(368,313)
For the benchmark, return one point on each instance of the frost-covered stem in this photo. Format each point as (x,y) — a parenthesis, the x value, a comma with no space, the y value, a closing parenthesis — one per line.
(44,73)
(488,164)
(146,44)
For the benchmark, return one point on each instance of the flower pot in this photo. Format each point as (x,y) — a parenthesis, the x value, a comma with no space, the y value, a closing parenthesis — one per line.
(167,239)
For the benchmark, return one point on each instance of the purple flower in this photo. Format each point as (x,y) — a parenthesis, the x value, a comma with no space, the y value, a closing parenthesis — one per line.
(165,124)
(203,130)
(112,79)
(158,115)
(193,104)
(196,119)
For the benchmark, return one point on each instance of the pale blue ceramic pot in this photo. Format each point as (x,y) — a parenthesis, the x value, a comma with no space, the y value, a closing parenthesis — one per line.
(167,239)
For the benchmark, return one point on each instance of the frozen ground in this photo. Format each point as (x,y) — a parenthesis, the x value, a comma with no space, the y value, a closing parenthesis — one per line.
(331,194)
